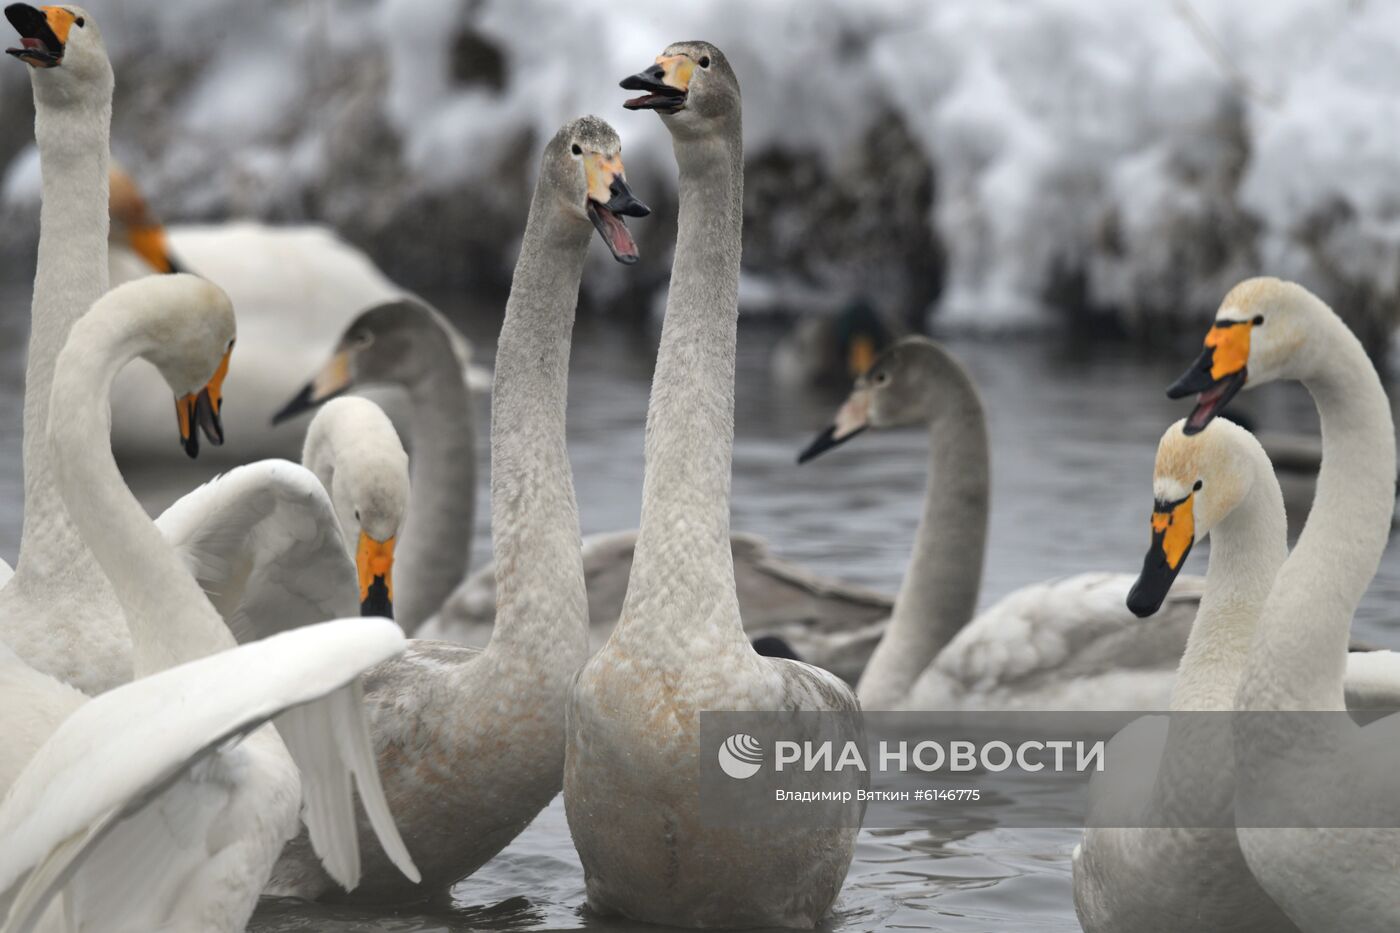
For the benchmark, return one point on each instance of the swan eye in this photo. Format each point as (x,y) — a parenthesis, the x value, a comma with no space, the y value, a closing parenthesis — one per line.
(1197,487)
(881,378)
(80,22)
(1258,319)
(357,515)
(704,61)
(577,149)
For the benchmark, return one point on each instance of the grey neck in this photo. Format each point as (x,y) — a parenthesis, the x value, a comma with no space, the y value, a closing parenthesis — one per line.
(71,274)
(541,605)
(1300,655)
(682,582)
(435,549)
(939,593)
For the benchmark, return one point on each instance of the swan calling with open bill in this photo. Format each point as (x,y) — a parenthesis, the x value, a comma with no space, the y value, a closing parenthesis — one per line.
(1324,879)
(1062,644)
(471,742)
(184,327)
(631,790)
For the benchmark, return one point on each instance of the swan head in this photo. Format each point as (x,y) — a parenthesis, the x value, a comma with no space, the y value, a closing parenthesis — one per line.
(63,45)
(133,226)
(1199,479)
(581,171)
(691,85)
(353,449)
(906,385)
(1260,334)
(389,343)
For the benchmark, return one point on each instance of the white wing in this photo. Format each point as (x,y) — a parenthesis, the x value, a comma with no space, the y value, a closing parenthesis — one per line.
(120,751)
(264,543)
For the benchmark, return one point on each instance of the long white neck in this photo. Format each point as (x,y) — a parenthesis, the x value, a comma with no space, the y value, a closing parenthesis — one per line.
(681,590)
(71,274)
(170,619)
(1246,550)
(1300,654)
(939,593)
(541,604)
(435,548)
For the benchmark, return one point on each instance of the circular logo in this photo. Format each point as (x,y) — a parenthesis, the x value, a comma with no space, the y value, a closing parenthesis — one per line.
(740,756)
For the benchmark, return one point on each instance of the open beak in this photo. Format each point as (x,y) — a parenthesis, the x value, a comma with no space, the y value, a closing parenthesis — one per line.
(374,560)
(852,418)
(666,84)
(203,410)
(1218,373)
(333,379)
(609,200)
(43,31)
(1173,534)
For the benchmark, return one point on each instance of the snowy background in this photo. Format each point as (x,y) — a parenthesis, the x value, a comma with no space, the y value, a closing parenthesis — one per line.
(986,163)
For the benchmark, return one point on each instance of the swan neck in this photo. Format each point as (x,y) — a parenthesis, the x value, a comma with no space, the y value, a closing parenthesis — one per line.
(691,602)
(1301,651)
(435,547)
(71,273)
(1247,549)
(170,619)
(938,596)
(541,605)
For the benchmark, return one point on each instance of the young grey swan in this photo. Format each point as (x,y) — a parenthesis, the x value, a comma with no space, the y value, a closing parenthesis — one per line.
(631,782)
(406,343)
(1062,644)
(471,742)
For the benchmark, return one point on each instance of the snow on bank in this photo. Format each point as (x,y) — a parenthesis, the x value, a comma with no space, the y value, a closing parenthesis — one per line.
(1125,156)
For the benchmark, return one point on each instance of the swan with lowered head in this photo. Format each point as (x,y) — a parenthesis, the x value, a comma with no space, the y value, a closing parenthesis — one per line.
(1329,768)
(1062,644)
(631,781)
(184,326)
(471,742)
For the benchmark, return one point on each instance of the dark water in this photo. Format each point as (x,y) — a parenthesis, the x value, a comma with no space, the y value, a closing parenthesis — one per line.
(1074,431)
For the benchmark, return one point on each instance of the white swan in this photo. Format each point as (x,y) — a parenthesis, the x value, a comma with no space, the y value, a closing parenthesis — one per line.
(1062,644)
(58,611)
(126,808)
(1175,876)
(183,326)
(631,779)
(1324,879)
(353,449)
(471,743)
(409,345)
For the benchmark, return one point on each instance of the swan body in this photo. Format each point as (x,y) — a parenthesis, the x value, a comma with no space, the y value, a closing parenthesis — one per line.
(1323,879)
(1062,644)
(471,742)
(630,782)
(828,623)
(183,325)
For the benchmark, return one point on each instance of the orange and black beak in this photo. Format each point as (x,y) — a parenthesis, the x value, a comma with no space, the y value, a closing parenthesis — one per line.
(852,418)
(666,84)
(1218,373)
(1173,534)
(43,32)
(374,561)
(609,200)
(203,410)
